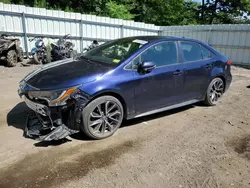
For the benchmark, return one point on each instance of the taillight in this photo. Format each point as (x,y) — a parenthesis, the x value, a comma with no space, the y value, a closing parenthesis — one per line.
(229,62)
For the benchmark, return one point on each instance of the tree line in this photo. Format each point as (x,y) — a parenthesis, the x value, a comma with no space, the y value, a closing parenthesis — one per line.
(158,12)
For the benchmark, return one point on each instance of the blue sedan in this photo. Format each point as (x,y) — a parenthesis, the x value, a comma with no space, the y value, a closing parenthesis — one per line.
(122,79)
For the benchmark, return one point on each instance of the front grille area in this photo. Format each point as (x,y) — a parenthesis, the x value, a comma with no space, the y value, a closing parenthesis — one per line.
(39,101)
(38,108)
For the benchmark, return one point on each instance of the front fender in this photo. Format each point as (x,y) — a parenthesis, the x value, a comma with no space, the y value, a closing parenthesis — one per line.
(93,89)
(124,94)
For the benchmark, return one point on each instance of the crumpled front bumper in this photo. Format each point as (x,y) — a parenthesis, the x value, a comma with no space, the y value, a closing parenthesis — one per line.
(39,130)
(54,123)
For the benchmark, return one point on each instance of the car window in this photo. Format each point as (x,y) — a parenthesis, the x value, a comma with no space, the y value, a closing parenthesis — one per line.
(136,62)
(115,51)
(206,54)
(191,51)
(161,54)
(133,64)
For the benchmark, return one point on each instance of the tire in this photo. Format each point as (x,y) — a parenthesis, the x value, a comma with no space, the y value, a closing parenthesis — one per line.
(214,92)
(36,60)
(20,54)
(73,54)
(94,123)
(11,58)
(48,59)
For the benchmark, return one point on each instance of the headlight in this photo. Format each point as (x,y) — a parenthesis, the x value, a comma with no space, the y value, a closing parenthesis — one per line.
(54,98)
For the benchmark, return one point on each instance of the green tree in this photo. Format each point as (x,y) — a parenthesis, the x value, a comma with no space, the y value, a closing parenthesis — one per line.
(166,12)
(121,11)
(159,12)
(224,11)
(5,1)
(40,3)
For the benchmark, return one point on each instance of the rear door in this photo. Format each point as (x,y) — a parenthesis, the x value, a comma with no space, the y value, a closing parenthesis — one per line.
(198,65)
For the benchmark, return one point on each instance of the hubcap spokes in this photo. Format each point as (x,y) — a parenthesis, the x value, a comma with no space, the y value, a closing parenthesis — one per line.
(105,118)
(216,91)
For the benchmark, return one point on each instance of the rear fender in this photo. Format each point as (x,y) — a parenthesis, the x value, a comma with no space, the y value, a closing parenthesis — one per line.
(217,72)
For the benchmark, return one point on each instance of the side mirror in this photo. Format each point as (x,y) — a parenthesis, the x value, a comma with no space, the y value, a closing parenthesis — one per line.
(147,66)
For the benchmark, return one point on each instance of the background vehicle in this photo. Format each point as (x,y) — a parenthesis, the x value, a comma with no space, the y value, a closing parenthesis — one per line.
(40,54)
(126,78)
(62,49)
(10,50)
(93,45)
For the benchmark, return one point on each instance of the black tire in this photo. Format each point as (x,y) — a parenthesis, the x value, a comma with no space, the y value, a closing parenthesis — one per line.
(36,59)
(48,58)
(93,108)
(73,54)
(11,58)
(20,54)
(214,92)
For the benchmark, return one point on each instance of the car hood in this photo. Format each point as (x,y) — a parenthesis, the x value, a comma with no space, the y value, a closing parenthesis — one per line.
(65,73)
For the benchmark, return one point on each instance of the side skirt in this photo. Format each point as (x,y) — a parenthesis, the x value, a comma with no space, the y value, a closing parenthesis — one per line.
(167,108)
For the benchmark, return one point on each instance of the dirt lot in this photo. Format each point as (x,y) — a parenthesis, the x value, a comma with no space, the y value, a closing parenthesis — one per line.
(192,147)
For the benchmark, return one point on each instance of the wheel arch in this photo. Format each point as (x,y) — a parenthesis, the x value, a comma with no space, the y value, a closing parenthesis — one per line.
(113,94)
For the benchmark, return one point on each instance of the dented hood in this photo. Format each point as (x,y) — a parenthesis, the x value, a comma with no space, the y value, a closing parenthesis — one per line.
(66,73)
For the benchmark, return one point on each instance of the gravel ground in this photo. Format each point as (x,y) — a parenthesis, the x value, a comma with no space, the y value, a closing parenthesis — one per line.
(190,147)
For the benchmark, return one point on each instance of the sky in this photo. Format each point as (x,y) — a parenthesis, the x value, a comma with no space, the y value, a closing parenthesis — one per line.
(197,0)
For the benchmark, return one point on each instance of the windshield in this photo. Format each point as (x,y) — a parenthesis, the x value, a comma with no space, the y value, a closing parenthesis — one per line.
(115,51)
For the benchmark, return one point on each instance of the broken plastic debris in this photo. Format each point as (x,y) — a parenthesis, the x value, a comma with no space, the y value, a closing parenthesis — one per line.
(58,133)
(42,131)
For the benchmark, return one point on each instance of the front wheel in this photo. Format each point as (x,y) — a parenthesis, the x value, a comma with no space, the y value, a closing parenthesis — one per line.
(102,117)
(11,58)
(214,92)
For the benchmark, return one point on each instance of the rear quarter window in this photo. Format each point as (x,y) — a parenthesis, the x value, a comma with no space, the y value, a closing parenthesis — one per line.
(206,53)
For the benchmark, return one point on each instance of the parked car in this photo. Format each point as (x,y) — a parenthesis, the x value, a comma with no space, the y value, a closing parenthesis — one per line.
(123,79)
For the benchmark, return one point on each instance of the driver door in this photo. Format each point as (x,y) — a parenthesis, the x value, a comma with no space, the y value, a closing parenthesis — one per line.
(156,89)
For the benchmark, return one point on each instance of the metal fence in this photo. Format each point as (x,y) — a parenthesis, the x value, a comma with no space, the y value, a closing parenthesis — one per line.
(26,22)
(232,41)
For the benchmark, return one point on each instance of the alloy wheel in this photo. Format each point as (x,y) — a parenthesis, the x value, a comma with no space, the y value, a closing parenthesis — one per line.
(105,119)
(216,91)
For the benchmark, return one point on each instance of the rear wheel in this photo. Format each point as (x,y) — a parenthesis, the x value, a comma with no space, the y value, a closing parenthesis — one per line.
(102,117)
(214,92)
(11,58)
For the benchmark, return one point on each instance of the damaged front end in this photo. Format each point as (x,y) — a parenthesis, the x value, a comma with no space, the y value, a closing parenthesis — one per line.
(54,119)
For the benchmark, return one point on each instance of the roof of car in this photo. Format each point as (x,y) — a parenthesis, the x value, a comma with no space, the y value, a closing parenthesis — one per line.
(151,38)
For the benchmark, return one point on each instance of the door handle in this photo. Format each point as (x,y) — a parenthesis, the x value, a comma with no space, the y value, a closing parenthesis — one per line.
(208,66)
(178,72)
